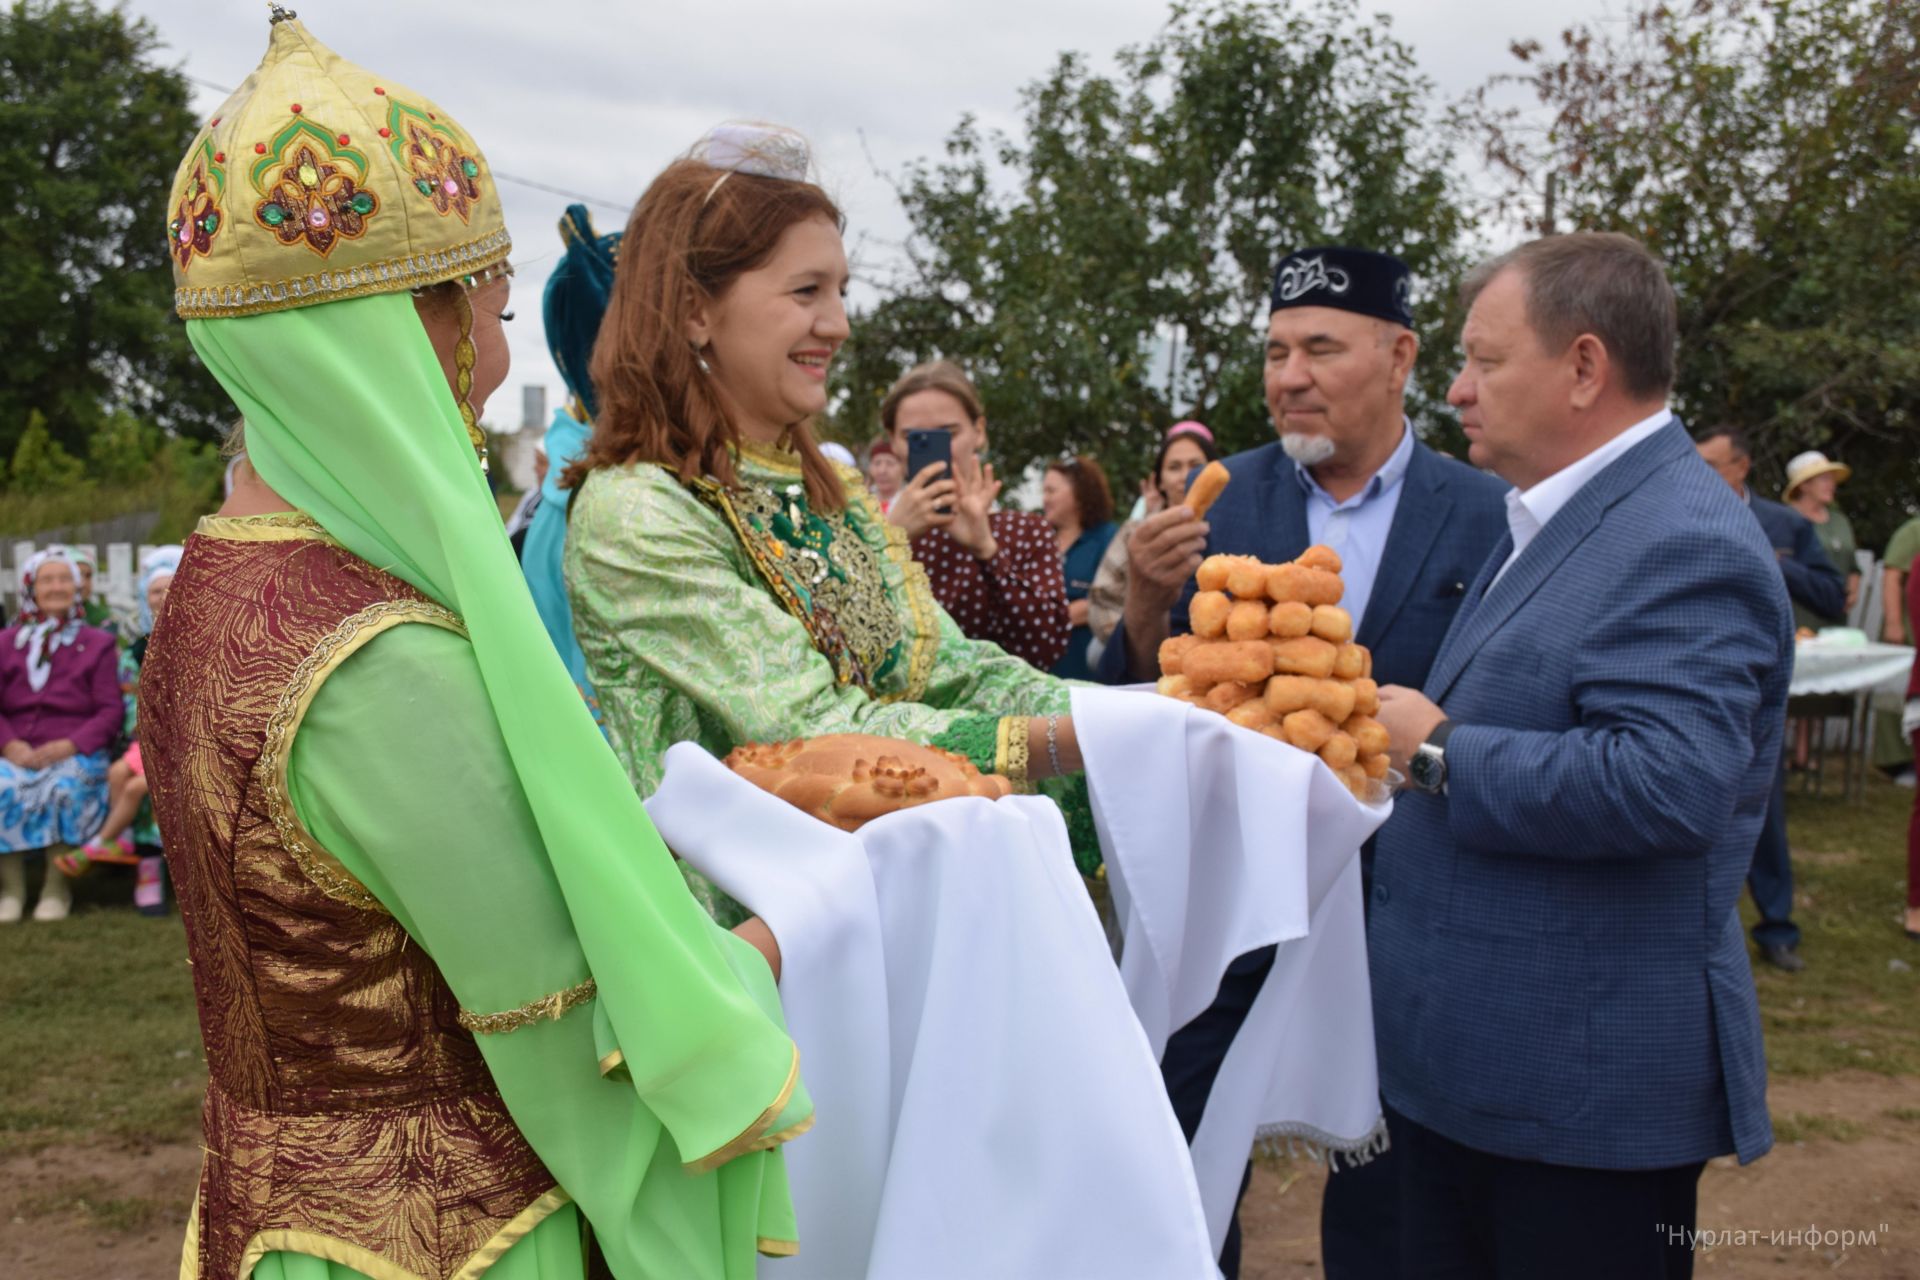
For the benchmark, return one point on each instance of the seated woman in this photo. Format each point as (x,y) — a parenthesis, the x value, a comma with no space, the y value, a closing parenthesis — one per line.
(1079,506)
(128,821)
(729,584)
(60,710)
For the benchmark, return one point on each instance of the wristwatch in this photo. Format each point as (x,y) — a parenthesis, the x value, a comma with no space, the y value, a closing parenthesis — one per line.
(1427,770)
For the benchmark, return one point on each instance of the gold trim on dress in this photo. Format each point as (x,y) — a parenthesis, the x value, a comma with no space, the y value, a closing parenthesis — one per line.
(1013,749)
(925,646)
(778,1248)
(548,1008)
(754,1132)
(347,639)
(190,1247)
(374,1267)
(613,1062)
(277,526)
(785,1136)
(774,459)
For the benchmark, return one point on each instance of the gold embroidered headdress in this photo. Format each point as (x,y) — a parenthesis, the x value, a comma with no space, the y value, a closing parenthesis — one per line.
(318,180)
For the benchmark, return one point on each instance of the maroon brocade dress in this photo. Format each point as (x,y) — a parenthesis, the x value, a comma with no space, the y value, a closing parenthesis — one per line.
(348,1114)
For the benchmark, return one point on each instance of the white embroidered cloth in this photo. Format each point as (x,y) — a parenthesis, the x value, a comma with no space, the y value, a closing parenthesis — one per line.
(985,1102)
(1220,841)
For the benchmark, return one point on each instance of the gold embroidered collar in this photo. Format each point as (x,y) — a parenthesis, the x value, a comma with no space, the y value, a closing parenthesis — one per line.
(277,526)
(768,456)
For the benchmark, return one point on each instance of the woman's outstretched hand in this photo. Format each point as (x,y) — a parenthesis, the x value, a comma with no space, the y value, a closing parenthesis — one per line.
(755,930)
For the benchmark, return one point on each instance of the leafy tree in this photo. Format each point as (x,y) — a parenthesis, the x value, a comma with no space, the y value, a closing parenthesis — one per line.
(1108,270)
(1767,150)
(40,465)
(91,128)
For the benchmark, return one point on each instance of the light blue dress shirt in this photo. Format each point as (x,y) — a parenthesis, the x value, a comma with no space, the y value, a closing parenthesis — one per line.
(1358,527)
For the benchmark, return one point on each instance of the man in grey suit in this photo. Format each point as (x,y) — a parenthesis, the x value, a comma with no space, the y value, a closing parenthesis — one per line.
(1566,1018)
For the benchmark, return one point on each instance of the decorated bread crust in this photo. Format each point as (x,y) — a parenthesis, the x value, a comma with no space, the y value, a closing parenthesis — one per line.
(849,779)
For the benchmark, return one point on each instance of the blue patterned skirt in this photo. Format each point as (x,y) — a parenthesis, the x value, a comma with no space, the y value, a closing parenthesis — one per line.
(61,804)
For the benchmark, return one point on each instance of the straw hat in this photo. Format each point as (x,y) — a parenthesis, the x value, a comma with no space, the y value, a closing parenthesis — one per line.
(1812,463)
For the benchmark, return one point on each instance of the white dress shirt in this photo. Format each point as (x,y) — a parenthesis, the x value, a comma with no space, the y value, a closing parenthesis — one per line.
(1528,511)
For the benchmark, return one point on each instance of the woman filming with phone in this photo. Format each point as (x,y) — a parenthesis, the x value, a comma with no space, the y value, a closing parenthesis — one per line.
(997,572)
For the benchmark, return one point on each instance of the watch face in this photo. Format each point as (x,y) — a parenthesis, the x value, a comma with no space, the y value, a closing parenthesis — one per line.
(1424,770)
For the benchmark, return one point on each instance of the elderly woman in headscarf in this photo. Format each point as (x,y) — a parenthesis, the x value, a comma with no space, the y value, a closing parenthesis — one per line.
(127,780)
(60,710)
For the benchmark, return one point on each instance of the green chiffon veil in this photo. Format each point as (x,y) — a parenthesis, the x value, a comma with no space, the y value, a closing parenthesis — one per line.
(350,418)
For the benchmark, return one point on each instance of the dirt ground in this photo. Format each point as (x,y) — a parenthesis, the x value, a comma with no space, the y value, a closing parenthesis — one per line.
(98,1213)
(1857,1168)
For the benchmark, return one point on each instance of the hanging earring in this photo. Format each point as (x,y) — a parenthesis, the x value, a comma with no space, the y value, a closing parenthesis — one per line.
(700,358)
(464,357)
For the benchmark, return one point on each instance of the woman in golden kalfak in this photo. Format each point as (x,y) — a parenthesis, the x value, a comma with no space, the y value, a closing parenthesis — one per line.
(454,994)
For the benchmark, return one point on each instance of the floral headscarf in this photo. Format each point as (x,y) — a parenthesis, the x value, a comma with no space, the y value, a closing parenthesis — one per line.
(41,636)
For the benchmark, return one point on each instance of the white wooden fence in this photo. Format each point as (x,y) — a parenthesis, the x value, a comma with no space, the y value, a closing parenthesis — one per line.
(117,578)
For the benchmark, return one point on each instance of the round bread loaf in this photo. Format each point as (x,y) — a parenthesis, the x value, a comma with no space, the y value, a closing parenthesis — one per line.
(849,779)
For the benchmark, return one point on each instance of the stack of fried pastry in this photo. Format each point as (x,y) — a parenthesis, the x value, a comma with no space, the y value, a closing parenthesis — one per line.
(1273,651)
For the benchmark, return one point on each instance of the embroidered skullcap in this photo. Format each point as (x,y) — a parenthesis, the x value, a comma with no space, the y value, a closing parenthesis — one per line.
(576,301)
(317,181)
(763,150)
(1357,280)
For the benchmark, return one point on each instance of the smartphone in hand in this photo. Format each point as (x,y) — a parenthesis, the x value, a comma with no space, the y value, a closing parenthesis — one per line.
(926,446)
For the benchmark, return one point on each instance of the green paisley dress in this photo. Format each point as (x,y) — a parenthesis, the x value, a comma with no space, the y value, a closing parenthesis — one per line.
(724,617)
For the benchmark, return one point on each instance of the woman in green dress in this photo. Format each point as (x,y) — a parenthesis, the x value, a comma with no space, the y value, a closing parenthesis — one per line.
(454,992)
(729,583)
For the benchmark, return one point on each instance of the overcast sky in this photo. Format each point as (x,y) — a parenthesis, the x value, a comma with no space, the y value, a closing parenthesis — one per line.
(596,97)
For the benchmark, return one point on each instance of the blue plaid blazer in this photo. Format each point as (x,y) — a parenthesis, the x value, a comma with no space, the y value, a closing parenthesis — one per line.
(1559,972)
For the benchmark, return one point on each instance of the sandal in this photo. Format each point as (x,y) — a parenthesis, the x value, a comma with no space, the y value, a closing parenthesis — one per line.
(78,862)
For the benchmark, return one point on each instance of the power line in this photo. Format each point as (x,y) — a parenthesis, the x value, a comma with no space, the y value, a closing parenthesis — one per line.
(504,177)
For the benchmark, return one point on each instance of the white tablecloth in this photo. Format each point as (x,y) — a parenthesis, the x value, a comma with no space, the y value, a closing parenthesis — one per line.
(986,1103)
(1821,666)
(1220,841)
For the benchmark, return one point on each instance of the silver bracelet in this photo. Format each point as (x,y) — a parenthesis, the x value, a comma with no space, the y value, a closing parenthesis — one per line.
(1053,745)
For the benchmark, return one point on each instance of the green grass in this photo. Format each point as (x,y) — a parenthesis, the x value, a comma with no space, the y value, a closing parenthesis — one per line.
(1851,1008)
(98,1027)
(92,1200)
(1798,1126)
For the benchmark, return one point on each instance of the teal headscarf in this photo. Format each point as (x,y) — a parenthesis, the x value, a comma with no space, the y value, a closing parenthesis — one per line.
(574,304)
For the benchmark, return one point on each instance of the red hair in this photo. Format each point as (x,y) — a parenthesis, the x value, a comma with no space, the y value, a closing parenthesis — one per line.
(695,231)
